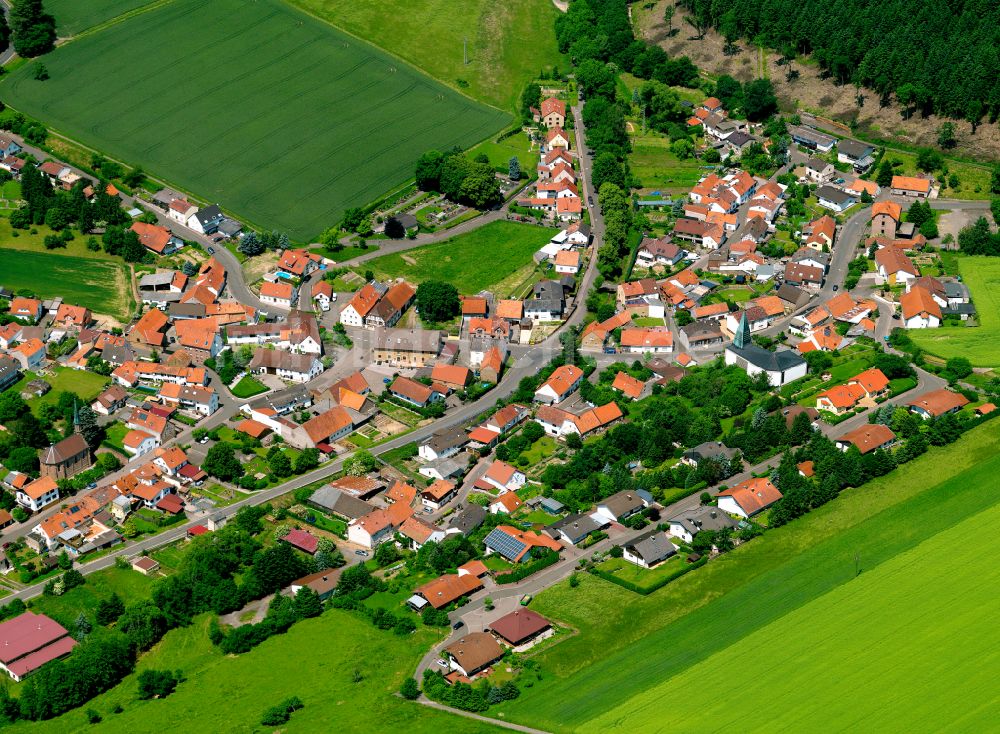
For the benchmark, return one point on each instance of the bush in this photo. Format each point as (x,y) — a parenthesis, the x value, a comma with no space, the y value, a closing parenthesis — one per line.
(410,690)
(157,683)
(280,714)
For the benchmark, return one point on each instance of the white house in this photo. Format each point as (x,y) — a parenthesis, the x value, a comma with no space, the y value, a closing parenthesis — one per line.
(748,498)
(181,210)
(278,294)
(504,477)
(37,494)
(560,384)
(649,549)
(139,443)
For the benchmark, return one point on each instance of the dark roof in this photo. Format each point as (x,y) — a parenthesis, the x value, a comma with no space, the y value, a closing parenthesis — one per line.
(709,449)
(468,519)
(832,193)
(574,527)
(791,294)
(703,517)
(854,149)
(652,546)
(408,221)
(739,139)
(781,360)
(210,214)
(340,503)
(520,625)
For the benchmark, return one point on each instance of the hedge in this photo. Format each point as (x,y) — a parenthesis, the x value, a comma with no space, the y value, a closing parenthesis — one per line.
(673,495)
(522,572)
(646,590)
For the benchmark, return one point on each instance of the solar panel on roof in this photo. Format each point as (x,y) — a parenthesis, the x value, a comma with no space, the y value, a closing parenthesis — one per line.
(504,544)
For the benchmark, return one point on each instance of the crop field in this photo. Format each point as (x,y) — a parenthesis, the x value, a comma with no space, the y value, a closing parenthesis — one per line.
(509,41)
(866,652)
(100,285)
(981,345)
(316,660)
(73,16)
(281,118)
(471,261)
(646,641)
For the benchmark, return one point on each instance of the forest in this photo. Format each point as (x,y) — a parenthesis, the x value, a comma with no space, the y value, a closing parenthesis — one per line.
(936,57)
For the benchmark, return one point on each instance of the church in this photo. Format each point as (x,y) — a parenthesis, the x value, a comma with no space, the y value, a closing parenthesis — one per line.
(68,457)
(781,367)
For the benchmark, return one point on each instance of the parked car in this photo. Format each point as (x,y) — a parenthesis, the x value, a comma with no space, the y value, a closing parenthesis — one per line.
(526,600)
(458,625)
(211,250)
(361,553)
(443,663)
(835,287)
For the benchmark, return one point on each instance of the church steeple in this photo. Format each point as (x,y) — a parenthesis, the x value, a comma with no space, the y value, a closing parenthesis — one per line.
(76,417)
(742,337)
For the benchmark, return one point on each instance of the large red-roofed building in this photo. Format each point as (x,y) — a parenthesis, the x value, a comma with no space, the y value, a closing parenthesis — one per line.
(29,641)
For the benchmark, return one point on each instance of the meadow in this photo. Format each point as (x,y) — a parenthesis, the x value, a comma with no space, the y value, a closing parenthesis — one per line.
(981,345)
(87,385)
(279,117)
(628,644)
(655,165)
(472,261)
(876,650)
(973,178)
(74,16)
(100,285)
(509,41)
(317,660)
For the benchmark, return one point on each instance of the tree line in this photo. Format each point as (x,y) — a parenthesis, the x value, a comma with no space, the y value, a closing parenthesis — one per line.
(463,181)
(935,57)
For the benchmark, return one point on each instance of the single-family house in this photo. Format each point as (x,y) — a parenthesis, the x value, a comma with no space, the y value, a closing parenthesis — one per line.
(621,506)
(504,477)
(867,438)
(920,310)
(649,549)
(911,186)
(749,497)
(937,403)
(563,381)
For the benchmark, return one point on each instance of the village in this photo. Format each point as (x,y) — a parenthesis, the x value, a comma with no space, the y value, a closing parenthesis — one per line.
(373,441)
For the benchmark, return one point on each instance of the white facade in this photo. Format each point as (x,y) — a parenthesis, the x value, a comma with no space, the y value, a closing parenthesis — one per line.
(730,506)
(350,317)
(923,321)
(774,377)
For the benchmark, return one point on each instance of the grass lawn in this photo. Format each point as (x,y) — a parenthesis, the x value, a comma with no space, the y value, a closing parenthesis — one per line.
(353,119)
(981,344)
(540,449)
(736,295)
(471,262)
(501,153)
(73,16)
(647,321)
(637,575)
(653,163)
(248,387)
(130,585)
(100,285)
(644,641)
(509,42)
(869,634)
(87,385)
(115,433)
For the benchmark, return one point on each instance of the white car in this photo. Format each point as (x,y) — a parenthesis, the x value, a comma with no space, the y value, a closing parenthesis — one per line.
(333,297)
(443,663)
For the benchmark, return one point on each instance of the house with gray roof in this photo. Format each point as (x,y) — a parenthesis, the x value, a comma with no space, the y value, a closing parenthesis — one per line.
(575,528)
(339,503)
(688,524)
(467,520)
(649,549)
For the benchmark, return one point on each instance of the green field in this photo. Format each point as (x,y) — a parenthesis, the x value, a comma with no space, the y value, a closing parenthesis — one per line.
(981,345)
(281,118)
(315,661)
(509,41)
(471,262)
(628,645)
(861,653)
(73,16)
(100,285)
(653,163)
(501,153)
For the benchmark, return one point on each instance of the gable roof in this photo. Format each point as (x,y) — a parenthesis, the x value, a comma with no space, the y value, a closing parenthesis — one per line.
(911,183)
(918,300)
(628,385)
(753,495)
(868,437)
(889,208)
(939,402)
